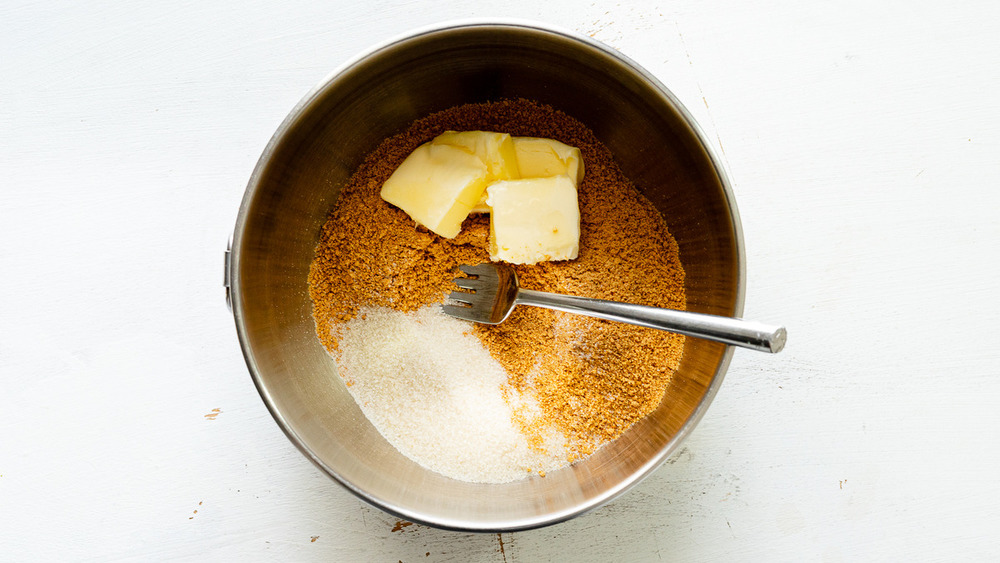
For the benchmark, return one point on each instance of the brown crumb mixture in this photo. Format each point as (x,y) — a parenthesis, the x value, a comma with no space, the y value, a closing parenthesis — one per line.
(593,379)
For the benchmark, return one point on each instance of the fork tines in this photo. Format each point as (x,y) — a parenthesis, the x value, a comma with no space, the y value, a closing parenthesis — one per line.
(481,271)
(475,303)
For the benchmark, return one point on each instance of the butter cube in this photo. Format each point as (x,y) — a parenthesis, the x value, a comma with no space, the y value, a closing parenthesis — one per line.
(496,150)
(540,158)
(437,186)
(534,220)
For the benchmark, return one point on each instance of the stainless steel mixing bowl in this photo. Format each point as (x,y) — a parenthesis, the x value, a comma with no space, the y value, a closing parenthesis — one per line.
(656,143)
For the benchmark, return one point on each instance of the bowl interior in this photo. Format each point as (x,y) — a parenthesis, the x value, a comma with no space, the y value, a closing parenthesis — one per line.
(326,138)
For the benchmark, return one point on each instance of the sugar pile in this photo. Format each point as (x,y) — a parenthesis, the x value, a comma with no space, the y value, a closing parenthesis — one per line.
(436,394)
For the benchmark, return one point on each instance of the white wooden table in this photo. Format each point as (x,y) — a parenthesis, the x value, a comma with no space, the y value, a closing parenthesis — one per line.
(863,139)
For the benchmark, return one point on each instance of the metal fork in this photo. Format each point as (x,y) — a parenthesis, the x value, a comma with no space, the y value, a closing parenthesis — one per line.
(493,292)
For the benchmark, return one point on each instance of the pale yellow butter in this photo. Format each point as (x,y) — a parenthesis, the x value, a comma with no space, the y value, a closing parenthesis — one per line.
(540,158)
(437,186)
(496,150)
(534,220)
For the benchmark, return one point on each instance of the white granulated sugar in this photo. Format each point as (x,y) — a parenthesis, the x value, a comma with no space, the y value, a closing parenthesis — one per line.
(434,392)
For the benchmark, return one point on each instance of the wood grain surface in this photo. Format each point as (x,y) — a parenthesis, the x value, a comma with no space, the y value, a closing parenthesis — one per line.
(863,140)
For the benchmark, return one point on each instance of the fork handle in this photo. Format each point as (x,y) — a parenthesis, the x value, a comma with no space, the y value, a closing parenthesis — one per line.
(738,332)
